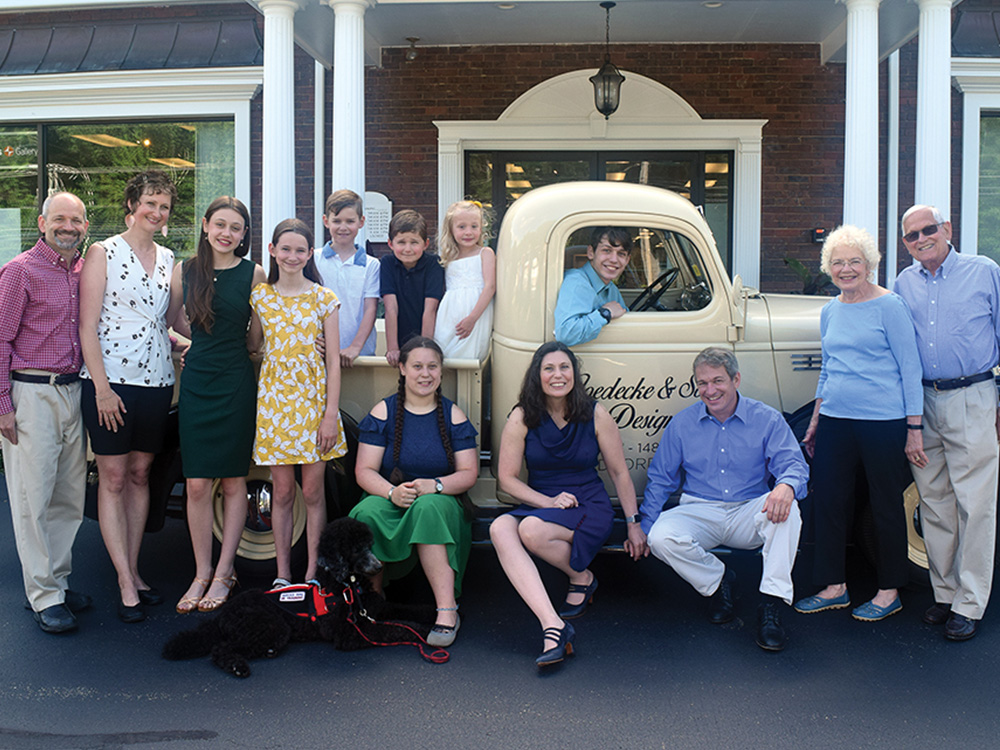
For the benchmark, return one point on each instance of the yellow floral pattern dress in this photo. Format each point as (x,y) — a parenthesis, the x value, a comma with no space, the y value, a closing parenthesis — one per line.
(291,391)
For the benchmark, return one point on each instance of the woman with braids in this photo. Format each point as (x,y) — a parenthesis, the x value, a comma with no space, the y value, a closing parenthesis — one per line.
(565,513)
(416,454)
(218,392)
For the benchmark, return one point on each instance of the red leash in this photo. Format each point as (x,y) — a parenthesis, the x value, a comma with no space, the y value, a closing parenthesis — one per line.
(437,656)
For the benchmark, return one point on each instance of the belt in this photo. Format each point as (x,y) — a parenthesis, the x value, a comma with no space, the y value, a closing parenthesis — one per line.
(50,379)
(962,382)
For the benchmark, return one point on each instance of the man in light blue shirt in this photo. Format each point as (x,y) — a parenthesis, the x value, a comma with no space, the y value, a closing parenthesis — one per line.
(723,454)
(588,298)
(955,303)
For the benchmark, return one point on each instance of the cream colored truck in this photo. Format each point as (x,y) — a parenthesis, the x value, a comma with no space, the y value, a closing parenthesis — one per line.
(681,300)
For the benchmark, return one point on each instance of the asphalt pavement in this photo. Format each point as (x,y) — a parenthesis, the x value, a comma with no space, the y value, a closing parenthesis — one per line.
(650,672)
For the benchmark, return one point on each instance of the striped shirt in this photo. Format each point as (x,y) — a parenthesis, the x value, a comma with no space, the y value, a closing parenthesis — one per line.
(39,315)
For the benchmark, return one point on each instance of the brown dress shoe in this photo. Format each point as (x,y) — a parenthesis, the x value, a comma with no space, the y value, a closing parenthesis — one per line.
(959,627)
(937,614)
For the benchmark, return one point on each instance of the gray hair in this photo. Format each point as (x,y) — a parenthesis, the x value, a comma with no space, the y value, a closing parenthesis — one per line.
(715,356)
(939,217)
(852,237)
(48,202)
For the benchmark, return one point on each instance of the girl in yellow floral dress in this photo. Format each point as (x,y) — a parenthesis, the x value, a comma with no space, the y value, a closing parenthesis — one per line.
(298,418)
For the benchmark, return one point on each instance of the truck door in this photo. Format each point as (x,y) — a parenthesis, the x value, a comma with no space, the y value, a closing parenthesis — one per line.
(639,366)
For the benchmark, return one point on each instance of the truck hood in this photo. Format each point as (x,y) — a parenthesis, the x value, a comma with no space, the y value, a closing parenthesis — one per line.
(794,318)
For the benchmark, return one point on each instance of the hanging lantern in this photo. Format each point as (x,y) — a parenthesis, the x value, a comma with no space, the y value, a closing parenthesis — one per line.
(608,80)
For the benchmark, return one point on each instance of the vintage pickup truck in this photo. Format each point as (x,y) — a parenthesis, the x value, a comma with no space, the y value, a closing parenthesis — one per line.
(680,300)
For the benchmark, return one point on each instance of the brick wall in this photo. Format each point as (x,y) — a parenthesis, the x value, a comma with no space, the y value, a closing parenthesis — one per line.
(787,85)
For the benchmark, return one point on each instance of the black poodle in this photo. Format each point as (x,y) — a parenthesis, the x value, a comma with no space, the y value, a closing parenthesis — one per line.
(345,611)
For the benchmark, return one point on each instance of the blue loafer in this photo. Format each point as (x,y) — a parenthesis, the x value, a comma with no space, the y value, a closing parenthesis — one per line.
(871,612)
(812,604)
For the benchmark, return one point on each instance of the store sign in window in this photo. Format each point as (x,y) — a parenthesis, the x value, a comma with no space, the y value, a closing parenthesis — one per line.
(95,160)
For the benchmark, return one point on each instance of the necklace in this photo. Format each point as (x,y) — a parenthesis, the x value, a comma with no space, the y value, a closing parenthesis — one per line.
(215,271)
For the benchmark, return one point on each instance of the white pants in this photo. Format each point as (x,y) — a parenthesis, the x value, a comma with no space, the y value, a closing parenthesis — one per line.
(46,480)
(682,536)
(958,494)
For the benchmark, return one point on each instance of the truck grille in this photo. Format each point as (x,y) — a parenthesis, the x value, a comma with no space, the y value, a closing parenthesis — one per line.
(807,362)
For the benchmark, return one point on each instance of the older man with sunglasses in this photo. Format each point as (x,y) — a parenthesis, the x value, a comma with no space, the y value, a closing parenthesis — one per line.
(955,301)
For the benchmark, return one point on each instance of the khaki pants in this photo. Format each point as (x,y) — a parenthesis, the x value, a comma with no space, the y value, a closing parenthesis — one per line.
(46,480)
(682,536)
(958,494)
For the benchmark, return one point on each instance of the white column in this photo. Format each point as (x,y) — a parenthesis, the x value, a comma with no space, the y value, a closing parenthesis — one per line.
(348,155)
(892,175)
(933,156)
(861,166)
(746,211)
(319,150)
(278,173)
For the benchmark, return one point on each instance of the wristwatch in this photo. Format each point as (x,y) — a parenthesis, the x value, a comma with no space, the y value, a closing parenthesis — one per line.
(605,313)
(634,518)
(438,487)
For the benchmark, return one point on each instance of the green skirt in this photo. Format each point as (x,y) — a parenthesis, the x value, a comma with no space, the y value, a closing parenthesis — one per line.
(432,519)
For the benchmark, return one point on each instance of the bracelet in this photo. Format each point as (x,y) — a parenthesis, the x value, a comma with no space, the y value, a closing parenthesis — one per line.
(914,427)
(389,496)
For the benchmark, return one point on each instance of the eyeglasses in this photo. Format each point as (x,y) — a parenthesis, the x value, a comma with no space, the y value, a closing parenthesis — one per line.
(855,263)
(929,231)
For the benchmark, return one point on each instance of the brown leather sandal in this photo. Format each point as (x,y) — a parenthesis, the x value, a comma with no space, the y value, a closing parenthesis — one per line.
(212,603)
(190,603)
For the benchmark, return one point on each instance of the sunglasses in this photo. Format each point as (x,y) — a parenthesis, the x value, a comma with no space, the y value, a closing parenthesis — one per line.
(929,231)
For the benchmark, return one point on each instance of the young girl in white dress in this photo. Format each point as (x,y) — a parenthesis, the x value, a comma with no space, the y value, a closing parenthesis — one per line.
(465,317)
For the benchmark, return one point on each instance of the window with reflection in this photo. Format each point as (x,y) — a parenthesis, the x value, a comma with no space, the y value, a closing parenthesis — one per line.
(664,272)
(498,178)
(94,161)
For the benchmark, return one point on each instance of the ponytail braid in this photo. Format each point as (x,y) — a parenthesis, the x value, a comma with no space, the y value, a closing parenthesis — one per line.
(396,476)
(463,499)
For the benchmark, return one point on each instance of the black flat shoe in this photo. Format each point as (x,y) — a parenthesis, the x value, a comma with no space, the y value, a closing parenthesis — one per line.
(150,597)
(131,614)
(720,607)
(562,649)
(572,611)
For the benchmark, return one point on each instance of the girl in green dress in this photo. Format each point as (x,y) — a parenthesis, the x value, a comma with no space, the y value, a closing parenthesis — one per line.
(217,393)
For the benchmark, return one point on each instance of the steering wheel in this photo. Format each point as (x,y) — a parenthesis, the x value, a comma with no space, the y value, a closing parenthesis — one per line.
(650,297)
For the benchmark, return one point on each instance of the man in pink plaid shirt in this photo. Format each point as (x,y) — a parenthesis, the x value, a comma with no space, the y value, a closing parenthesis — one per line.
(40,423)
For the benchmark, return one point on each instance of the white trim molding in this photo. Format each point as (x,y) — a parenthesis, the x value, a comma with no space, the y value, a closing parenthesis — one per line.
(559,115)
(979,81)
(126,94)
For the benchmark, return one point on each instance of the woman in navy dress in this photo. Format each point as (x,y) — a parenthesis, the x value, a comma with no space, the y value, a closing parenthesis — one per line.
(565,513)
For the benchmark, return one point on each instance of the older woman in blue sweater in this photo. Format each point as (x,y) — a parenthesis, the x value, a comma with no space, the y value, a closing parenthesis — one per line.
(869,403)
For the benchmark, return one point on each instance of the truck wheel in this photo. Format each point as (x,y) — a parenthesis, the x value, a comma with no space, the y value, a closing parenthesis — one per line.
(916,551)
(255,553)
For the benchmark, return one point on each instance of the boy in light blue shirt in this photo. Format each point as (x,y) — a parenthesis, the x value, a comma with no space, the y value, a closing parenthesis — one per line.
(588,298)
(351,273)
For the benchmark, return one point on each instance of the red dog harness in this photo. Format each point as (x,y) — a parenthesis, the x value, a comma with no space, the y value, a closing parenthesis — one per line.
(309,600)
